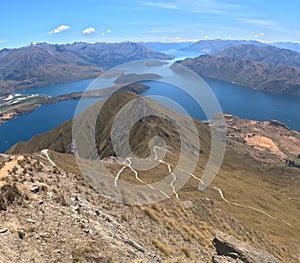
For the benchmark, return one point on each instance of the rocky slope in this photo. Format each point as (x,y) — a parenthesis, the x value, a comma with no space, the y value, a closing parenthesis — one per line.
(254,197)
(49,214)
(229,249)
(43,64)
(248,73)
(44,219)
(265,54)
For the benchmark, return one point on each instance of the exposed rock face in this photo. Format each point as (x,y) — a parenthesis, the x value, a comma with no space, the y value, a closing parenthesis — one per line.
(230,249)
(271,141)
(277,123)
(39,225)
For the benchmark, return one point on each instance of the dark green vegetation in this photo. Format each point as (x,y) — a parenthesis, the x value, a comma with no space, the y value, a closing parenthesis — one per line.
(8,195)
(43,64)
(263,192)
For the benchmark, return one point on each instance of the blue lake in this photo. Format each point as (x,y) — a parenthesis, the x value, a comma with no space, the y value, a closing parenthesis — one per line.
(243,102)
(181,55)
(39,121)
(69,87)
(234,99)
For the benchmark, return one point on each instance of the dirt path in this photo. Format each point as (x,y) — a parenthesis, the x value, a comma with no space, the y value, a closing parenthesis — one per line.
(250,207)
(169,166)
(128,164)
(173,187)
(45,152)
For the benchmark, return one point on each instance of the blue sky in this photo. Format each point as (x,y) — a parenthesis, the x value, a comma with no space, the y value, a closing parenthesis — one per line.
(63,21)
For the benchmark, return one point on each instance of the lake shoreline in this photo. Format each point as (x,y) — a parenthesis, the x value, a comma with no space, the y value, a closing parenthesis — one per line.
(25,108)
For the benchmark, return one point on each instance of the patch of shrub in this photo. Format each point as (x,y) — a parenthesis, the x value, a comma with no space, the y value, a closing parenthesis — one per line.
(187,252)
(149,212)
(90,253)
(165,249)
(8,195)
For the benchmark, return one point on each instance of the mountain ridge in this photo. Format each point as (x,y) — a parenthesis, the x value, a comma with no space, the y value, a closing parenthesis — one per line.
(261,206)
(43,64)
(216,45)
(265,54)
(248,73)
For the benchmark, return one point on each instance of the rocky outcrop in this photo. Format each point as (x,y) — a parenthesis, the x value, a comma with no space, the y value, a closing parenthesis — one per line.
(277,123)
(230,249)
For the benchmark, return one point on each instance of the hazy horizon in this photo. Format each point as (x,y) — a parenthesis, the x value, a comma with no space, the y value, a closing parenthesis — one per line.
(129,41)
(146,21)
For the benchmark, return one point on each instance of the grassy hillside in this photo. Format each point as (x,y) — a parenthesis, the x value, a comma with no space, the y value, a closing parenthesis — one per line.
(254,199)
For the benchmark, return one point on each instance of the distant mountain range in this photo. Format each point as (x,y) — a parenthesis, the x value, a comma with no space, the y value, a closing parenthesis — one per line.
(43,64)
(217,45)
(109,55)
(265,54)
(162,46)
(287,45)
(267,68)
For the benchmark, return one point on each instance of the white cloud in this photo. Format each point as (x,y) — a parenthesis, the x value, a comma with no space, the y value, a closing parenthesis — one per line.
(59,29)
(206,37)
(106,32)
(89,30)
(166,39)
(199,6)
(169,5)
(258,22)
(257,35)
(2,41)
(264,24)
